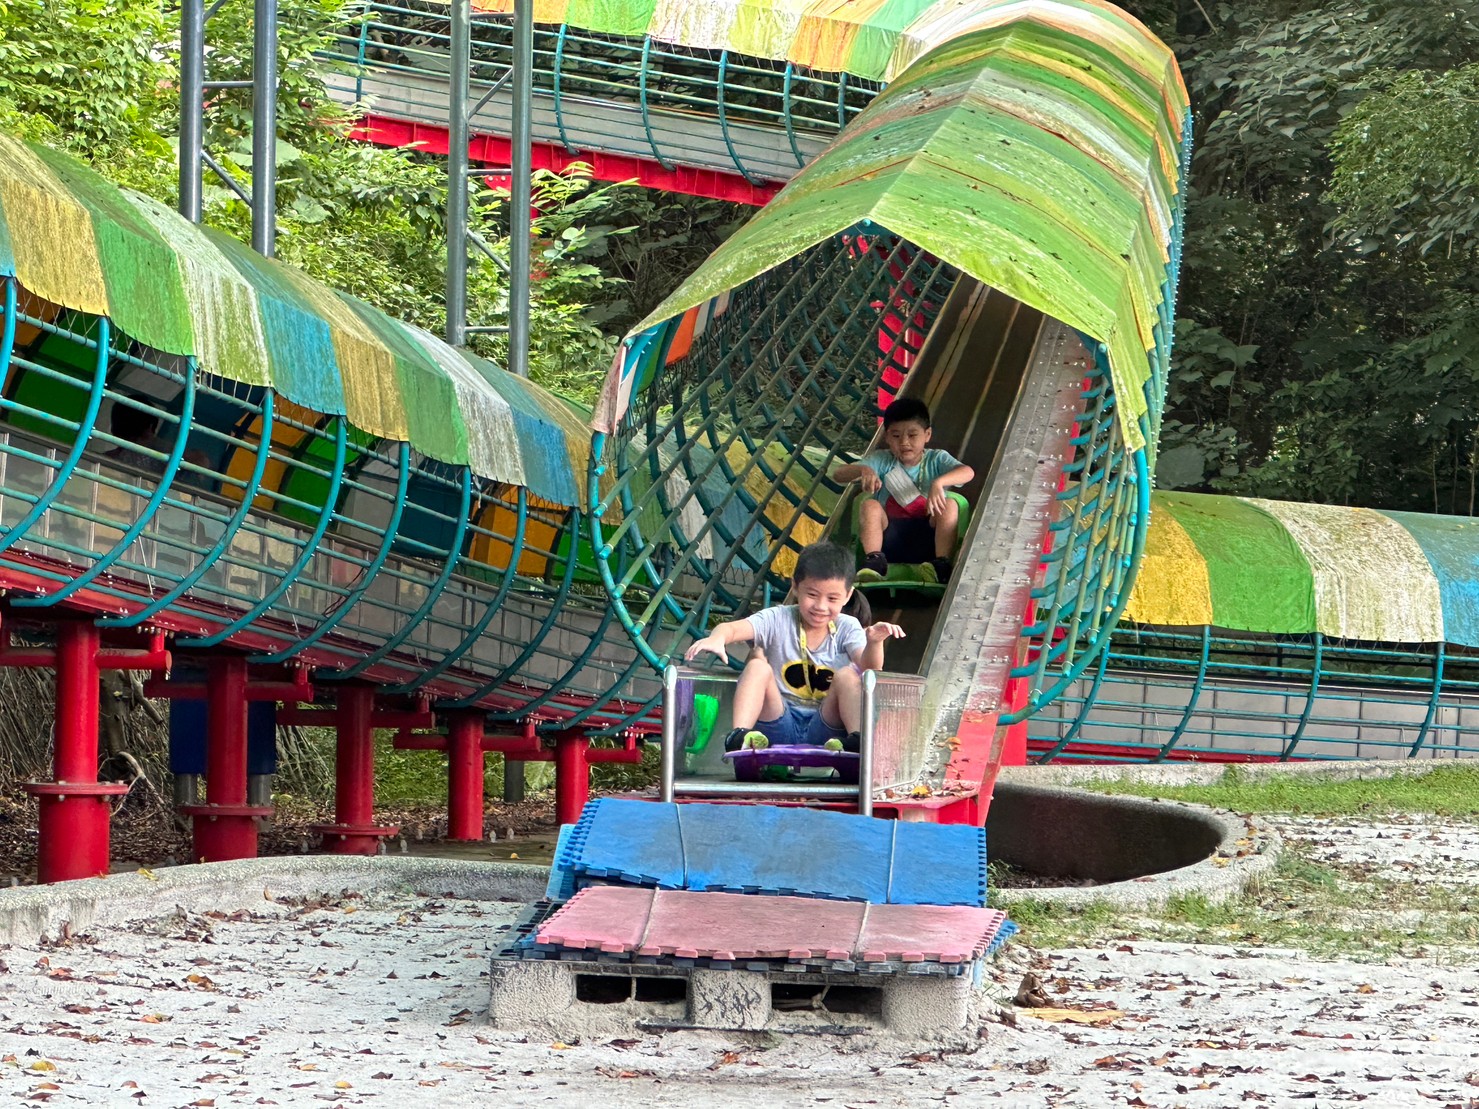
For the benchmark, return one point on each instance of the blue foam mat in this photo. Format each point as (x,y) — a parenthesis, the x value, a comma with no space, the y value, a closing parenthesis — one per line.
(561,885)
(634,842)
(806,852)
(786,851)
(938,864)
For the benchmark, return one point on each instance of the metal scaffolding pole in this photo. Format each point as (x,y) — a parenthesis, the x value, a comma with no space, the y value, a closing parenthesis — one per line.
(520,191)
(192,105)
(461,62)
(264,126)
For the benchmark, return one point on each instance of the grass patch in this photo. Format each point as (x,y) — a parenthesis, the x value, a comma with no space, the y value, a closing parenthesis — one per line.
(1326,911)
(1446,791)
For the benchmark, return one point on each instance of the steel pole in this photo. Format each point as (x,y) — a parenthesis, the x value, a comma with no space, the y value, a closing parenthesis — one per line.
(192,106)
(264,127)
(465,776)
(669,752)
(521,189)
(865,743)
(461,63)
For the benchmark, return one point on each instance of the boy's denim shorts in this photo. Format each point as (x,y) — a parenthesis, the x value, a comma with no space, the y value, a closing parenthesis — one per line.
(799,727)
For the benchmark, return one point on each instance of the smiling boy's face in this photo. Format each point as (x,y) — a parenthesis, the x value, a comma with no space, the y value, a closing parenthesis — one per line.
(820,601)
(906,441)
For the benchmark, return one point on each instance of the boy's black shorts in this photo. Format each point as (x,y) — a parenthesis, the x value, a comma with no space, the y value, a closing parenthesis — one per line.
(909,539)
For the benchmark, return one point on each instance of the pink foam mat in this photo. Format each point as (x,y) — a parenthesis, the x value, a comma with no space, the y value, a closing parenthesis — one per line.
(730,926)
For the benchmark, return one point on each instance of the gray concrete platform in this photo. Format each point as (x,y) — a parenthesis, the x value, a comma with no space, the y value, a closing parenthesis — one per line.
(572,998)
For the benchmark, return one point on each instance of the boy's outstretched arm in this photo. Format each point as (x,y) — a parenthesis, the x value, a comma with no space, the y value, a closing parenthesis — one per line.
(717,641)
(871,656)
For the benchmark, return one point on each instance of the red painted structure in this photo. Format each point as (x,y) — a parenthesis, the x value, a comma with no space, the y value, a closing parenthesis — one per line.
(466,743)
(492,150)
(226,826)
(355,718)
(74,812)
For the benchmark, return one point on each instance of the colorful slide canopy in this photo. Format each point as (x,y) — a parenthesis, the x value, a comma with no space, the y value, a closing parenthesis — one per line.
(75,240)
(1295,569)
(1034,151)
(873,39)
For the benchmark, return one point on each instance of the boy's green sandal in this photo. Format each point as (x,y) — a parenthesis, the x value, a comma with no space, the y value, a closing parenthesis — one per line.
(874,568)
(833,744)
(746,739)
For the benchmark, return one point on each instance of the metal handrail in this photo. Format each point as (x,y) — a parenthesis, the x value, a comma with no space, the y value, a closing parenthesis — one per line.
(668,751)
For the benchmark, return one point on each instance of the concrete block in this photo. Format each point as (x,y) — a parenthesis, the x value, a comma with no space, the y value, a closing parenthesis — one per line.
(728,999)
(527,992)
(926,1008)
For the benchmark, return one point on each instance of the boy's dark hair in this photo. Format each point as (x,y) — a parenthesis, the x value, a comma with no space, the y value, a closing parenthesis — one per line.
(905,409)
(824,562)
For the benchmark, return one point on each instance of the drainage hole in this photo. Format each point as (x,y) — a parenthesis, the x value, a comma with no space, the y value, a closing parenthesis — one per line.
(662,989)
(602,989)
(859,1001)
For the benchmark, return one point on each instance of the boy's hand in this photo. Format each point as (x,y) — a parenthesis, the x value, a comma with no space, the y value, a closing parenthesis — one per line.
(877,633)
(869,481)
(936,498)
(710,644)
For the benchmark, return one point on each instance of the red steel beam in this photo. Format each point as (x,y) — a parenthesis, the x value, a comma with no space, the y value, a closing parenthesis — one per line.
(494,150)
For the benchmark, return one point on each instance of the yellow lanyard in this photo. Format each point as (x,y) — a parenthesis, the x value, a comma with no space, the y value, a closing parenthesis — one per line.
(807,665)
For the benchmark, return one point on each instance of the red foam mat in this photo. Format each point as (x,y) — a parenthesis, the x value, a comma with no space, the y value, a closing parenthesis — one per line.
(730,926)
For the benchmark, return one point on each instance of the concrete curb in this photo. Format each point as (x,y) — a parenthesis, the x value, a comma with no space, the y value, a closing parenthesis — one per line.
(32,913)
(1133,842)
(1247,851)
(1202,773)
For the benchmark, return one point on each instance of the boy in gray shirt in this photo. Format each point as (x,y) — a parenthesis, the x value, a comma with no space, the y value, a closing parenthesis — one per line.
(806,686)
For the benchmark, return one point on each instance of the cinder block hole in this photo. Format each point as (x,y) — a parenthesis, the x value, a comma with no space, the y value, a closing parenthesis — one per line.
(791,996)
(602,989)
(857,1001)
(661,989)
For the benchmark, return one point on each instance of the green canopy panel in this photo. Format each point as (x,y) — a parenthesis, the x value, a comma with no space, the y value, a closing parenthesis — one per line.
(75,240)
(1037,155)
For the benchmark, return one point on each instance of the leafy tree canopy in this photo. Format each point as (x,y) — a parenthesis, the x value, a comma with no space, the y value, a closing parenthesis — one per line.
(1326,343)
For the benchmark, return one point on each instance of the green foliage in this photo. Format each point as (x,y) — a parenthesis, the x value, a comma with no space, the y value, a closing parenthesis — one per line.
(84,74)
(96,77)
(1320,354)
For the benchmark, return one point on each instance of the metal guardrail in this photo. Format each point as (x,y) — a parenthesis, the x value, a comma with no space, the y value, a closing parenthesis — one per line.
(1161,694)
(635,96)
(679,688)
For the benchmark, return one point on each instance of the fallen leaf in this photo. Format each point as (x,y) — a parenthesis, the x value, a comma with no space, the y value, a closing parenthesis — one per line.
(558,1046)
(342,1085)
(1076,1016)
(43,1065)
(145,872)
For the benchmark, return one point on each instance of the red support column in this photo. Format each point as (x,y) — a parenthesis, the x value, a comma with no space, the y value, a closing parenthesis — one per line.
(572,777)
(354,831)
(74,813)
(226,826)
(465,776)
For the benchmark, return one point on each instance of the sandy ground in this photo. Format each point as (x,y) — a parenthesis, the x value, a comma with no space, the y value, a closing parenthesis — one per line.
(381,1000)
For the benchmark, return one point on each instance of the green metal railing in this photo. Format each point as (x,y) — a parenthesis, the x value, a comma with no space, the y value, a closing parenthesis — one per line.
(720,468)
(140,488)
(1207,695)
(398,54)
